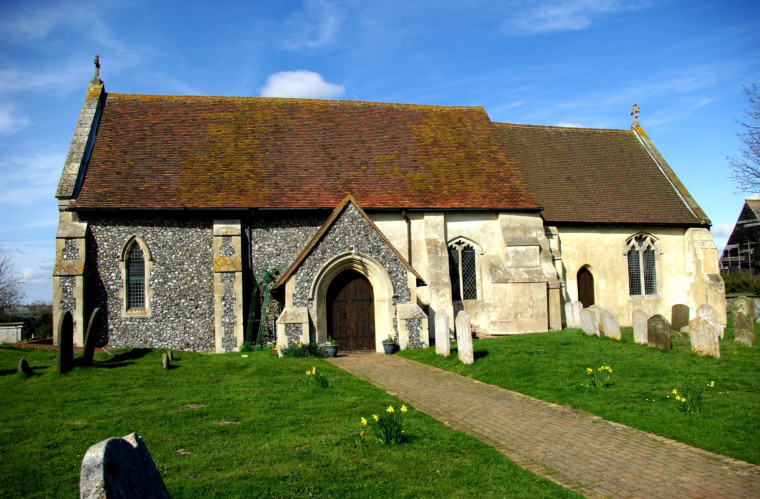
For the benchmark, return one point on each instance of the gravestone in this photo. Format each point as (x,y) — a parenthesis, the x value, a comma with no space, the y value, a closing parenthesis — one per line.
(639,318)
(91,336)
(708,312)
(679,315)
(65,341)
(610,325)
(170,355)
(573,314)
(464,338)
(588,322)
(743,315)
(658,333)
(442,337)
(597,312)
(704,335)
(120,467)
(165,361)
(757,307)
(23,368)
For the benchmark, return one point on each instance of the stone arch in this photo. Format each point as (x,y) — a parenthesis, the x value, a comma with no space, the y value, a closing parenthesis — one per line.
(148,258)
(382,288)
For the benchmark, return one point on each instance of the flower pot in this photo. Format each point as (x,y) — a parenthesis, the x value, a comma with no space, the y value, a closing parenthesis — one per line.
(390,347)
(332,350)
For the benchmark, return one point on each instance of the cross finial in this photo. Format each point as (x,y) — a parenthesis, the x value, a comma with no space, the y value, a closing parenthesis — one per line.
(96,79)
(635,110)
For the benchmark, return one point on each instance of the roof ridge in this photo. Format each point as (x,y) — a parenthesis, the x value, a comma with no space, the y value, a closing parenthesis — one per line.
(293,100)
(557,127)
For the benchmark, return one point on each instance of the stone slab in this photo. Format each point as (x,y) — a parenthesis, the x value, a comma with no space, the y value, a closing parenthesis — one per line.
(658,333)
(610,325)
(442,336)
(588,322)
(464,338)
(639,318)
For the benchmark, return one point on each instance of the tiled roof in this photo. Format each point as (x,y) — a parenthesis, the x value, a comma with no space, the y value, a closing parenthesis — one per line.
(599,176)
(224,152)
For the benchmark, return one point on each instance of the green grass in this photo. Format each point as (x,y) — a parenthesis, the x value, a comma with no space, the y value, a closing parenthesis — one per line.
(552,367)
(228,426)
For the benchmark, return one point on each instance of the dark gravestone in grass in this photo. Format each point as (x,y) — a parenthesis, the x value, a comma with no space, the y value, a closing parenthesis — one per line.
(743,315)
(658,332)
(91,337)
(442,337)
(65,341)
(679,315)
(120,467)
(23,368)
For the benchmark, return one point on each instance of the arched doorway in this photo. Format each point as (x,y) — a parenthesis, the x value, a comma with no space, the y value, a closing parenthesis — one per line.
(585,287)
(351,311)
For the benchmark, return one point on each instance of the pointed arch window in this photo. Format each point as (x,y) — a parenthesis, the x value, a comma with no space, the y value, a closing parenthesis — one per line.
(463,271)
(135,263)
(135,278)
(642,271)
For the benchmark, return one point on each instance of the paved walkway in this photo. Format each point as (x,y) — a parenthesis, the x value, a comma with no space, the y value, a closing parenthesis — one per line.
(575,449)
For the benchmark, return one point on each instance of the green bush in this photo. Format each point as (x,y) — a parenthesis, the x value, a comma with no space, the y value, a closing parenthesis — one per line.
(300,350)
(741,281)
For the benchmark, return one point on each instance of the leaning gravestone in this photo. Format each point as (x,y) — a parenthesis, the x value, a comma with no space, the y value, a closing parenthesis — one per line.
(588,322)
(442,337)
(464,338)
(23,368)
(743,314)
(91,337)
(65,341)
(658,332)
(120,467)
(573,314)
(639,318)
(679,315)
(708,312)
(165,362)
(610,325)
(705,336)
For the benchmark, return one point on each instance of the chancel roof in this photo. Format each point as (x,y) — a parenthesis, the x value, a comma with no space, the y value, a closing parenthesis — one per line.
(153,152)
(599,176)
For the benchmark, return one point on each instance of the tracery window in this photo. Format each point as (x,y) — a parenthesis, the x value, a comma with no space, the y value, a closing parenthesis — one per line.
(463,271)
(642,272)
(135,278)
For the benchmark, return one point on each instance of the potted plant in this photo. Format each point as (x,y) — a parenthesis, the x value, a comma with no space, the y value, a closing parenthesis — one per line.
(331,347)
(390,344)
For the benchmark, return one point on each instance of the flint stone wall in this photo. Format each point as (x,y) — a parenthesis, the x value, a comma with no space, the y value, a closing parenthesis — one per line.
(278,239)
(181,279)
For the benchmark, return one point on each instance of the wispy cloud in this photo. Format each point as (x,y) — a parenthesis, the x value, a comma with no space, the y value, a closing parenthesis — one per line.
(303,84)
(25,178)
(532,17)
(313,27)
(9,121)
(722,230)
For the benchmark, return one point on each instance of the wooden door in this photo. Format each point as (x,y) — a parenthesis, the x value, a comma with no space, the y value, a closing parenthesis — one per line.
(351,311)
(585,287)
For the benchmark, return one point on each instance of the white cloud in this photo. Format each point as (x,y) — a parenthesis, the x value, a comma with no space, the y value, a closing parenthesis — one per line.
(302,84)
(531,17)
(26,179)
(9,122)
(314,27)
(722,230)
(569,125)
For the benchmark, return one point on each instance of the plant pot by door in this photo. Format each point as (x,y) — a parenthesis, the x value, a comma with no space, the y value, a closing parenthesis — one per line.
(390,347)
(332,350)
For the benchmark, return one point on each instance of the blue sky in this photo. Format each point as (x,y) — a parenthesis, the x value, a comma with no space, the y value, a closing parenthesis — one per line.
(567,62)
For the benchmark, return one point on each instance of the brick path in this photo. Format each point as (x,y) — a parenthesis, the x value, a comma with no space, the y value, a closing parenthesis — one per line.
(575,449)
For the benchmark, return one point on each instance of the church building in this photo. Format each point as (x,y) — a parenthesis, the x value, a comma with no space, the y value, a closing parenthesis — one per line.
(371,219)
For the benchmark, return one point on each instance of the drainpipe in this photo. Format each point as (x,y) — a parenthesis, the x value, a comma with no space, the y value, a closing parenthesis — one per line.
(408,237)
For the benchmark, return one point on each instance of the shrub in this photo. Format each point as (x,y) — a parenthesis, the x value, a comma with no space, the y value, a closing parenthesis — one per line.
(299,350)
(741,281)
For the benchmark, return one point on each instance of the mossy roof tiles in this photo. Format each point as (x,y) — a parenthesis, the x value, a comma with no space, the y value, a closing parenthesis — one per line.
(597,176)
(222,152)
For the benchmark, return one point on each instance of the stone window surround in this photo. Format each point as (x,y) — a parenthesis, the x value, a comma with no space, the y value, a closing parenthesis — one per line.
(148,258)
(478,262)
(654,243)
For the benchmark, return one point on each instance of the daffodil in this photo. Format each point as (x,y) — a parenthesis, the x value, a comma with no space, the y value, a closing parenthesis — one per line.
(313,369)
(403,408)
(712,383)
(364,422)
(308,372)
(589,370)
(374,416)
(389,409)
(675,392)
(361,433)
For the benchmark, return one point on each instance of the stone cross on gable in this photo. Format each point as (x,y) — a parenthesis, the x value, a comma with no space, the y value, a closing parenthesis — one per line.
(96,79)
(635,110)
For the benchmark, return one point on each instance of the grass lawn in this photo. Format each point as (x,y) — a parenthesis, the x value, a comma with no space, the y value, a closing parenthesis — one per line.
(552,367)
(228,426)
